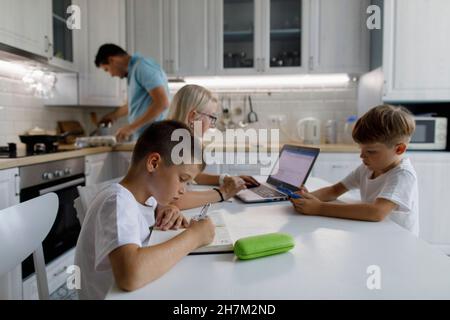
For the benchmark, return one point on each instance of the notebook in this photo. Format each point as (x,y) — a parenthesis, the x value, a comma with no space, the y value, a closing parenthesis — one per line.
(222,242)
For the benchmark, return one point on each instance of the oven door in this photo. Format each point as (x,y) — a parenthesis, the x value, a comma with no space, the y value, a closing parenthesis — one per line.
(64,233)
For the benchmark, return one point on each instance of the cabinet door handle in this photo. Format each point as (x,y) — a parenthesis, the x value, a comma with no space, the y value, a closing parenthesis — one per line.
(17,184)
(48,44)
(263,64)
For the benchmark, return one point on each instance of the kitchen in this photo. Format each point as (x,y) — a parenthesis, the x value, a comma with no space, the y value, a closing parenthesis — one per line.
(308,68)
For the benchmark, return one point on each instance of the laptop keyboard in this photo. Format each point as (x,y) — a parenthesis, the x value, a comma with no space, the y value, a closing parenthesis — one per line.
(266,192)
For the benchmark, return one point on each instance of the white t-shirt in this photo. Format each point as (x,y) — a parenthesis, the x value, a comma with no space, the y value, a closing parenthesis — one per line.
(398,185)
(114,218)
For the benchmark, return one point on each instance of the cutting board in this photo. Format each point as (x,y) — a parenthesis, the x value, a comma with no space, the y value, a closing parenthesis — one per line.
(71,126)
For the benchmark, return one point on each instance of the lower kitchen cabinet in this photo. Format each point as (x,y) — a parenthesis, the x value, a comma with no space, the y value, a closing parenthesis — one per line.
(98,168)
(121,163)
(10,283)
(433,172)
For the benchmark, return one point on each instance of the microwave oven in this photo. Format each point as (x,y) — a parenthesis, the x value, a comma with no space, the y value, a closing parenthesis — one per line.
(430,134)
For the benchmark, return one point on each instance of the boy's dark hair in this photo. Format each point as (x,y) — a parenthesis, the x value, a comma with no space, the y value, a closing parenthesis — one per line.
(158,138)
(107,50)
(385,124)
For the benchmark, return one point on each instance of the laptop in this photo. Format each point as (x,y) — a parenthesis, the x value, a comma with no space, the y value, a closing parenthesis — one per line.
(294,166)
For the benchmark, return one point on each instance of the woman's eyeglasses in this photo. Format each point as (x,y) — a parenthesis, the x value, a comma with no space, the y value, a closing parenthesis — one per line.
(212,118)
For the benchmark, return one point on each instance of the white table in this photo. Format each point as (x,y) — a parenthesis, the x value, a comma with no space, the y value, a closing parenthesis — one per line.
(329,261)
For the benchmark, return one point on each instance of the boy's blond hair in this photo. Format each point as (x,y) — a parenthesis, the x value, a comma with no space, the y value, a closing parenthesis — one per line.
(385,124)
(190,97)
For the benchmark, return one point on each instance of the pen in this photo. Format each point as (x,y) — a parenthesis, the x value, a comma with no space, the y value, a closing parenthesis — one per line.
(203,213)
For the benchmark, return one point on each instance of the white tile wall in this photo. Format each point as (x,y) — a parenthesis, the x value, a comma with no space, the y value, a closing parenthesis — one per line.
(21,111)
(323,103)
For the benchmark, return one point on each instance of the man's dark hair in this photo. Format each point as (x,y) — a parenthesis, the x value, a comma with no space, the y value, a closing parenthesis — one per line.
(158,138)
(107,50)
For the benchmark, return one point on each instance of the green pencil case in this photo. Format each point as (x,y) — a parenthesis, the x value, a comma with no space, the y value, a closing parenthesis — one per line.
(263,245)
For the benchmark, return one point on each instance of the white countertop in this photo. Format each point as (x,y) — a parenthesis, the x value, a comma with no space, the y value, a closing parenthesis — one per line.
(329,261)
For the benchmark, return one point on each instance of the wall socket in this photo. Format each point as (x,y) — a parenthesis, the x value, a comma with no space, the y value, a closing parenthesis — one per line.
(277,118)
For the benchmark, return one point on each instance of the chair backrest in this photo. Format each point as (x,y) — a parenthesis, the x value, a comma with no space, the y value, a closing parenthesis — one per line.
(23,227)
(87,194)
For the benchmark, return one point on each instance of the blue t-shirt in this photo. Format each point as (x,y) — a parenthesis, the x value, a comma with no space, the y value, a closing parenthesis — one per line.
(144,75)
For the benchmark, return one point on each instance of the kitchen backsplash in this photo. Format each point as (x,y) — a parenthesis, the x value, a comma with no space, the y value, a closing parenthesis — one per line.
(21,111)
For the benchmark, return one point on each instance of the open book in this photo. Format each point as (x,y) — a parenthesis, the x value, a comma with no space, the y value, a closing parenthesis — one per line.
(222,241)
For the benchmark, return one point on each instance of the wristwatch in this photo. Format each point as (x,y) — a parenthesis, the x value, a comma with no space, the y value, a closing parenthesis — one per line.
(222,177)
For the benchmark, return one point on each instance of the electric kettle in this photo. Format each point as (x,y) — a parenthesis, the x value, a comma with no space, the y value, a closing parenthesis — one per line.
(308,130)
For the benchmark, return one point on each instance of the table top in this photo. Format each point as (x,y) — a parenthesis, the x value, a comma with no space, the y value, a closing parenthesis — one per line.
(332,259)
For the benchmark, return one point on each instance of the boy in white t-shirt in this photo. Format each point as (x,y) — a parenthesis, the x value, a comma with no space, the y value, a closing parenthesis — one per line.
(112,246)
(387,181)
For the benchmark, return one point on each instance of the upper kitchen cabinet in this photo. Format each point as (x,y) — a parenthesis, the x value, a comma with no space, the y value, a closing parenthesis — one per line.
(26,25)
(262,36)
(285,36)
(340,39)
(179,35)
(103,21)
(65,39)
(416,46)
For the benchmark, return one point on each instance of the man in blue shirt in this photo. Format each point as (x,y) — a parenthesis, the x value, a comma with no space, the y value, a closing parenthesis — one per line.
(148,91)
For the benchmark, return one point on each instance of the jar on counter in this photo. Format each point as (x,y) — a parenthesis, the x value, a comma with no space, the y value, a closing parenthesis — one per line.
(331,132)
(348,129)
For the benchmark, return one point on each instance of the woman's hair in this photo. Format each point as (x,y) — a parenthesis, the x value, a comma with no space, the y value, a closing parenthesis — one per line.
(190,97)
(384,124)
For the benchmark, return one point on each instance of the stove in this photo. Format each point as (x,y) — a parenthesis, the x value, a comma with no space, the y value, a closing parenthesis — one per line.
(11,151)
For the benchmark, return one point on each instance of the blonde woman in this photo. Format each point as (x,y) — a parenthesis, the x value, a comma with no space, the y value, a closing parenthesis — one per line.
(194,103)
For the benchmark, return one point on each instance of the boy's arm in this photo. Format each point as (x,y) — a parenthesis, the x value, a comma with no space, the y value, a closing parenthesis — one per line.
(377,211)
(134,266)
(330,193)
(374,212)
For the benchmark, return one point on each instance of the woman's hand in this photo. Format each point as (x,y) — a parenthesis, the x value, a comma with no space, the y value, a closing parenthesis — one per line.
(231,186)
(170,217)
(250,181)
(307,204)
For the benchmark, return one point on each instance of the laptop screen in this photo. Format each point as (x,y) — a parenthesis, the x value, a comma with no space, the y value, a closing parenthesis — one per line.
(294,165)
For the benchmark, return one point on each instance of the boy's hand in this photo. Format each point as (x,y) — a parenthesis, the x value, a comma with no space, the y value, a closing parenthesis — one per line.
(170,217)
(308,204)
(204,231)
(231,186)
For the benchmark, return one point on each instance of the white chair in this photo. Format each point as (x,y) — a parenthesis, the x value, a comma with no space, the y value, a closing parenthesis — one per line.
(87,194)
(23,227)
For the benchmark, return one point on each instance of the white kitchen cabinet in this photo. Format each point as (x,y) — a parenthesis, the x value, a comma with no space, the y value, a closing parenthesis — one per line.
(262,36)
(121,163)
(333,167)
(433,174)
(340,39)
(98,168)
(103,21)
(11,282)
(9,187)
(179,35)
(146,31)
(416,60)
(64,40)
(26,25)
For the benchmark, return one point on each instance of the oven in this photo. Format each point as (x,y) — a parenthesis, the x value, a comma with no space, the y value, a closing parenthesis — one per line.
(61,177)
